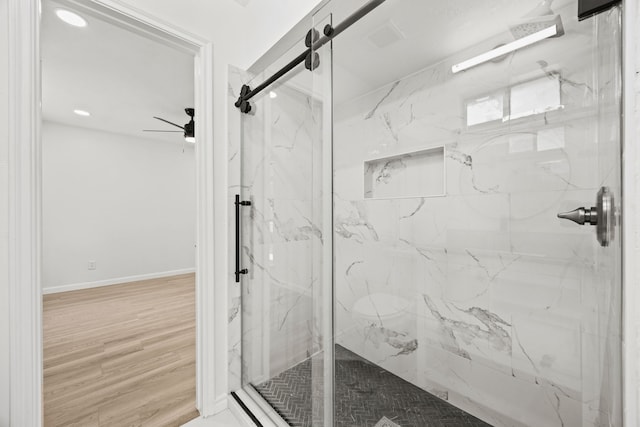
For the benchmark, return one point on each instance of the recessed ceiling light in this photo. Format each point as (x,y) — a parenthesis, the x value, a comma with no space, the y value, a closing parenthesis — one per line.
(82,113)
(71,18)
(273,95)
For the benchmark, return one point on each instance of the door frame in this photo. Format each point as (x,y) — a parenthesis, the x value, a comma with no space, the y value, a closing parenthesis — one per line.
(631,212)
(25,205)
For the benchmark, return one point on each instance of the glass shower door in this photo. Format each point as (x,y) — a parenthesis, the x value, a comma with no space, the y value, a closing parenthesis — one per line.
(461,130)
(411,241)
(284,310)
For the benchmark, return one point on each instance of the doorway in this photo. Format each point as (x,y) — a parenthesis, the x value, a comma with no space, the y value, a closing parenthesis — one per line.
(119,223)
(25,294)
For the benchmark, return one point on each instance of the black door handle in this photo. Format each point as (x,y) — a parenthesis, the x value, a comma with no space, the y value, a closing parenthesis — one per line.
(238,205)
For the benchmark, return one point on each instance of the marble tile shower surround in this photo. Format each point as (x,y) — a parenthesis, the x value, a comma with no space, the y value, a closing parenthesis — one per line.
(498,302)
(273,150)
(498,307)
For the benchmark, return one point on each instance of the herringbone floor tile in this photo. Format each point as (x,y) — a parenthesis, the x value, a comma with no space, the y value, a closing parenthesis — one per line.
(365,393)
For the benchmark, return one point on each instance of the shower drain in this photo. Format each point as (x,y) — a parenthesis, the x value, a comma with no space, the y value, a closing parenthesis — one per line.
(386,422)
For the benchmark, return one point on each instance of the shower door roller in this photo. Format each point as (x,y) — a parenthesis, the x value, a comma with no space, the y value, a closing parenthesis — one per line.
(602,216)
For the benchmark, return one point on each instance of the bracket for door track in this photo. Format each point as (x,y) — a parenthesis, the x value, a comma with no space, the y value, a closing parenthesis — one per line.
(589,8)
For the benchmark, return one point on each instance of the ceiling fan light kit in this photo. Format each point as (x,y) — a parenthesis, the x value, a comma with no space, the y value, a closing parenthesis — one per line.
(188,130)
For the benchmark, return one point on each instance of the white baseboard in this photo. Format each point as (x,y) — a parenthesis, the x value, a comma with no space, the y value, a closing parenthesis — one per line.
(224,419)
(117,281)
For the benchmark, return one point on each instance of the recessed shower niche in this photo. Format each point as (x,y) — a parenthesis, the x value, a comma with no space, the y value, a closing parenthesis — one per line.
(414,174)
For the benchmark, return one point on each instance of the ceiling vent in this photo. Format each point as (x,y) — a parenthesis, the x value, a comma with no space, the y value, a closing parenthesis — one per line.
(386,35)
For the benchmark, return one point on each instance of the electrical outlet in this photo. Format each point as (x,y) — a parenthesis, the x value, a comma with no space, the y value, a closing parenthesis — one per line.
(91,265)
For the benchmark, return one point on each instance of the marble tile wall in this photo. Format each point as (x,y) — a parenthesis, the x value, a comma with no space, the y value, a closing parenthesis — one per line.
(483,296)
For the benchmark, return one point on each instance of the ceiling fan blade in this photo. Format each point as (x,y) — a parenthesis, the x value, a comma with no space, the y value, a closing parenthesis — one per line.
(170,131)
(167,121)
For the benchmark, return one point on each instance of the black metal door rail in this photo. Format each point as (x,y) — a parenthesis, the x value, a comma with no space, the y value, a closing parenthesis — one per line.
(310,57)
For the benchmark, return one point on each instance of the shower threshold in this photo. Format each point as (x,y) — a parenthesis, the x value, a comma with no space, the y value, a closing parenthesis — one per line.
(366,396)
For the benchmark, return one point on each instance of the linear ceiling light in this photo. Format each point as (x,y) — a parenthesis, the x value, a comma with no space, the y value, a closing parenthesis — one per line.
(71,18)
(507,48)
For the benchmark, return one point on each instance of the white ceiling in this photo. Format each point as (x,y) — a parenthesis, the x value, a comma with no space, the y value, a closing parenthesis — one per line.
(122,78)
(241,30)
(243,3)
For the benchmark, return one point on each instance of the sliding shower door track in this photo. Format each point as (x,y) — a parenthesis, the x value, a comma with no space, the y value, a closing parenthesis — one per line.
(261,413)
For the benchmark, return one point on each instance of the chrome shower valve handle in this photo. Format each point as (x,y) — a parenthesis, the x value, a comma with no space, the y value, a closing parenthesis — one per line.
(602,216)
(581,216)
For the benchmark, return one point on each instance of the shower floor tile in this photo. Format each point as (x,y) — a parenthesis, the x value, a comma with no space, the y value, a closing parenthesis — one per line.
(365,393)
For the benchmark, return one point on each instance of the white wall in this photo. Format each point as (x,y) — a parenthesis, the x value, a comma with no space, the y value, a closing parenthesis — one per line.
(4,226)
(240,34)
(127,203)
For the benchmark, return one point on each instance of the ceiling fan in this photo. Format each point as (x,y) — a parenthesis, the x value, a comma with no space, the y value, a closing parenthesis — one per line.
(189,129)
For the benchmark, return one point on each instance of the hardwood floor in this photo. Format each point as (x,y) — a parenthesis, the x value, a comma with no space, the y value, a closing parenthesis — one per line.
(121,355)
